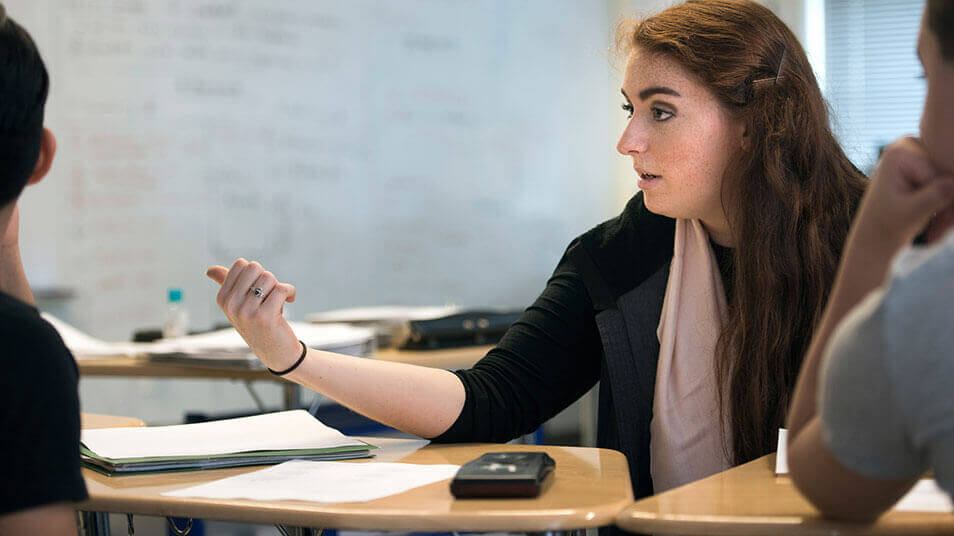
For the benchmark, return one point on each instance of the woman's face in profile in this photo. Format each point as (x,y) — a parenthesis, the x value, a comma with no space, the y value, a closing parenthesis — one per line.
(680,139)
(937,121)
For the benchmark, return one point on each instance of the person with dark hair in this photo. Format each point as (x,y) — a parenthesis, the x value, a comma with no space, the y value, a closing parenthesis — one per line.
(39,403)
(873,408)
(692,308)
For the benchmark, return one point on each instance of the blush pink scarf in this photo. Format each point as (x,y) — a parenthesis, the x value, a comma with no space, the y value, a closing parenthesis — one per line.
(686,434)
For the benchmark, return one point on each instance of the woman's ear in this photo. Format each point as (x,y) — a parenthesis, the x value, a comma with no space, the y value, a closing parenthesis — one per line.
(45,160)
(745,141)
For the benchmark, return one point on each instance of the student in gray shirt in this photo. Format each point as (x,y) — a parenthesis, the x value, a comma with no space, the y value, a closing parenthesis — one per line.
(872,409)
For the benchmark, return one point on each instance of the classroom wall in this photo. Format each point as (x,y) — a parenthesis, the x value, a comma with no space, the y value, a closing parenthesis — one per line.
(369,152)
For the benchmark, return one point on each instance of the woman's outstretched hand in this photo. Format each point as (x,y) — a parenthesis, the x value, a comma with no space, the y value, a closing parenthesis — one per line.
(253,299)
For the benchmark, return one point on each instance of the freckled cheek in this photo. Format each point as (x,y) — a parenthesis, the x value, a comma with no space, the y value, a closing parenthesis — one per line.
(699,161)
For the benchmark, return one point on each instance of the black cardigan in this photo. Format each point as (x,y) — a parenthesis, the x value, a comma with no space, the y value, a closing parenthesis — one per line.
(610,280)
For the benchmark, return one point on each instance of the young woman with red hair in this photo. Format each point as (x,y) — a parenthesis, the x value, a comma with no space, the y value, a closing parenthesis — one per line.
(692,308)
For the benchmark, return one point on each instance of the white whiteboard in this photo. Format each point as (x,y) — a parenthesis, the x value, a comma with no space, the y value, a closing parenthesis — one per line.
(369,152)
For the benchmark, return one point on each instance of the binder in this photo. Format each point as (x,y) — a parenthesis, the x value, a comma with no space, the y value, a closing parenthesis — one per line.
(468,328)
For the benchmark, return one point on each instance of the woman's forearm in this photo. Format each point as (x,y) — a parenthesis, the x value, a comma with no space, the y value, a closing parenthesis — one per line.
(419,400)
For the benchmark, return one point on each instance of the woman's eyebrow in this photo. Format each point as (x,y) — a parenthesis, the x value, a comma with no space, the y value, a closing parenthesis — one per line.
(650,91)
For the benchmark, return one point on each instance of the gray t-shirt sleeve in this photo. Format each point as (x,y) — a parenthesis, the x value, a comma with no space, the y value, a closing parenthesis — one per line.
(919,318)
(862,422)
(885,388)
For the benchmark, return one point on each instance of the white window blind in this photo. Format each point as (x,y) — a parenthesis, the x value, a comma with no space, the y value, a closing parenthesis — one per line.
(872,73)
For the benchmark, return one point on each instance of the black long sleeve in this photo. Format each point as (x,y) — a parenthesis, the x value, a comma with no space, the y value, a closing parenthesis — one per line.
(545,361)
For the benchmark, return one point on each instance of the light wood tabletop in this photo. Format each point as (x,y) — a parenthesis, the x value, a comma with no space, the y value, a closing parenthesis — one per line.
(588,489)
(450,358)
(90,421)
(751,500)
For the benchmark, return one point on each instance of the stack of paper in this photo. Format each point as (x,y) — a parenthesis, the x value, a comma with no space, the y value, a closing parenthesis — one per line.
(390,322)
(226,347)
(223,347)
(83,345)
(258,440)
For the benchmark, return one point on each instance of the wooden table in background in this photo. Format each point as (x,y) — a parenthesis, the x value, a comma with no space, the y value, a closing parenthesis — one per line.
(89,421)
(449,359)
(751,500)
(588,489)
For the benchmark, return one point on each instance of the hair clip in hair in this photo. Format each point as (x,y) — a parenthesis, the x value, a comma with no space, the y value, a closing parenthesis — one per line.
(778,71)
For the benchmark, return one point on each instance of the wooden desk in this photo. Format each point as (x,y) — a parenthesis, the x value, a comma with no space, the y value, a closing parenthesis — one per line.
(589,488)
(453,358)
(750,500)
(89,421)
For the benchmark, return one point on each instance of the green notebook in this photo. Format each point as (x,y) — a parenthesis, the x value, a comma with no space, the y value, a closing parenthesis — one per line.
(258,440)
(125,466)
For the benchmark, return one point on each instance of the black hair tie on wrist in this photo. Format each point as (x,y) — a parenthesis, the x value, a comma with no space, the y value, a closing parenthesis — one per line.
(304,350)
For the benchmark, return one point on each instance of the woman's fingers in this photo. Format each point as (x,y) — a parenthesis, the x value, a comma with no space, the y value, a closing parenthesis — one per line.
(237,296)
(240,290)
(252,298)
(273,304)
(290,292)
(217,273)
(257,294)
(226,291)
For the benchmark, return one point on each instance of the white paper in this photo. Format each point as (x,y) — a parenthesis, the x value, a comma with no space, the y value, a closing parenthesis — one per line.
(219,344)
(83,345)
(326,482)
(284,430)
(781,456)
(925,496)
(385,313)
(323,336)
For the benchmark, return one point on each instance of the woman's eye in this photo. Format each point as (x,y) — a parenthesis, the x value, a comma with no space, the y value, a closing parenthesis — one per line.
(628,108)
(661,115)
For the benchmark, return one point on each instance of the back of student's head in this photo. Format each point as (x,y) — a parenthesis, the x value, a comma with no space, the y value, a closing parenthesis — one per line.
(24,85)
(939,16)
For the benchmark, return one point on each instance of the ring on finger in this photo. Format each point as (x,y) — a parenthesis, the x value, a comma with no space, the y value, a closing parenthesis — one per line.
(257,291)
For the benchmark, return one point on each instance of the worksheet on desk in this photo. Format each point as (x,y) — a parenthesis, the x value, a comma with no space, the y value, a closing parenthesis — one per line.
(326,482)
